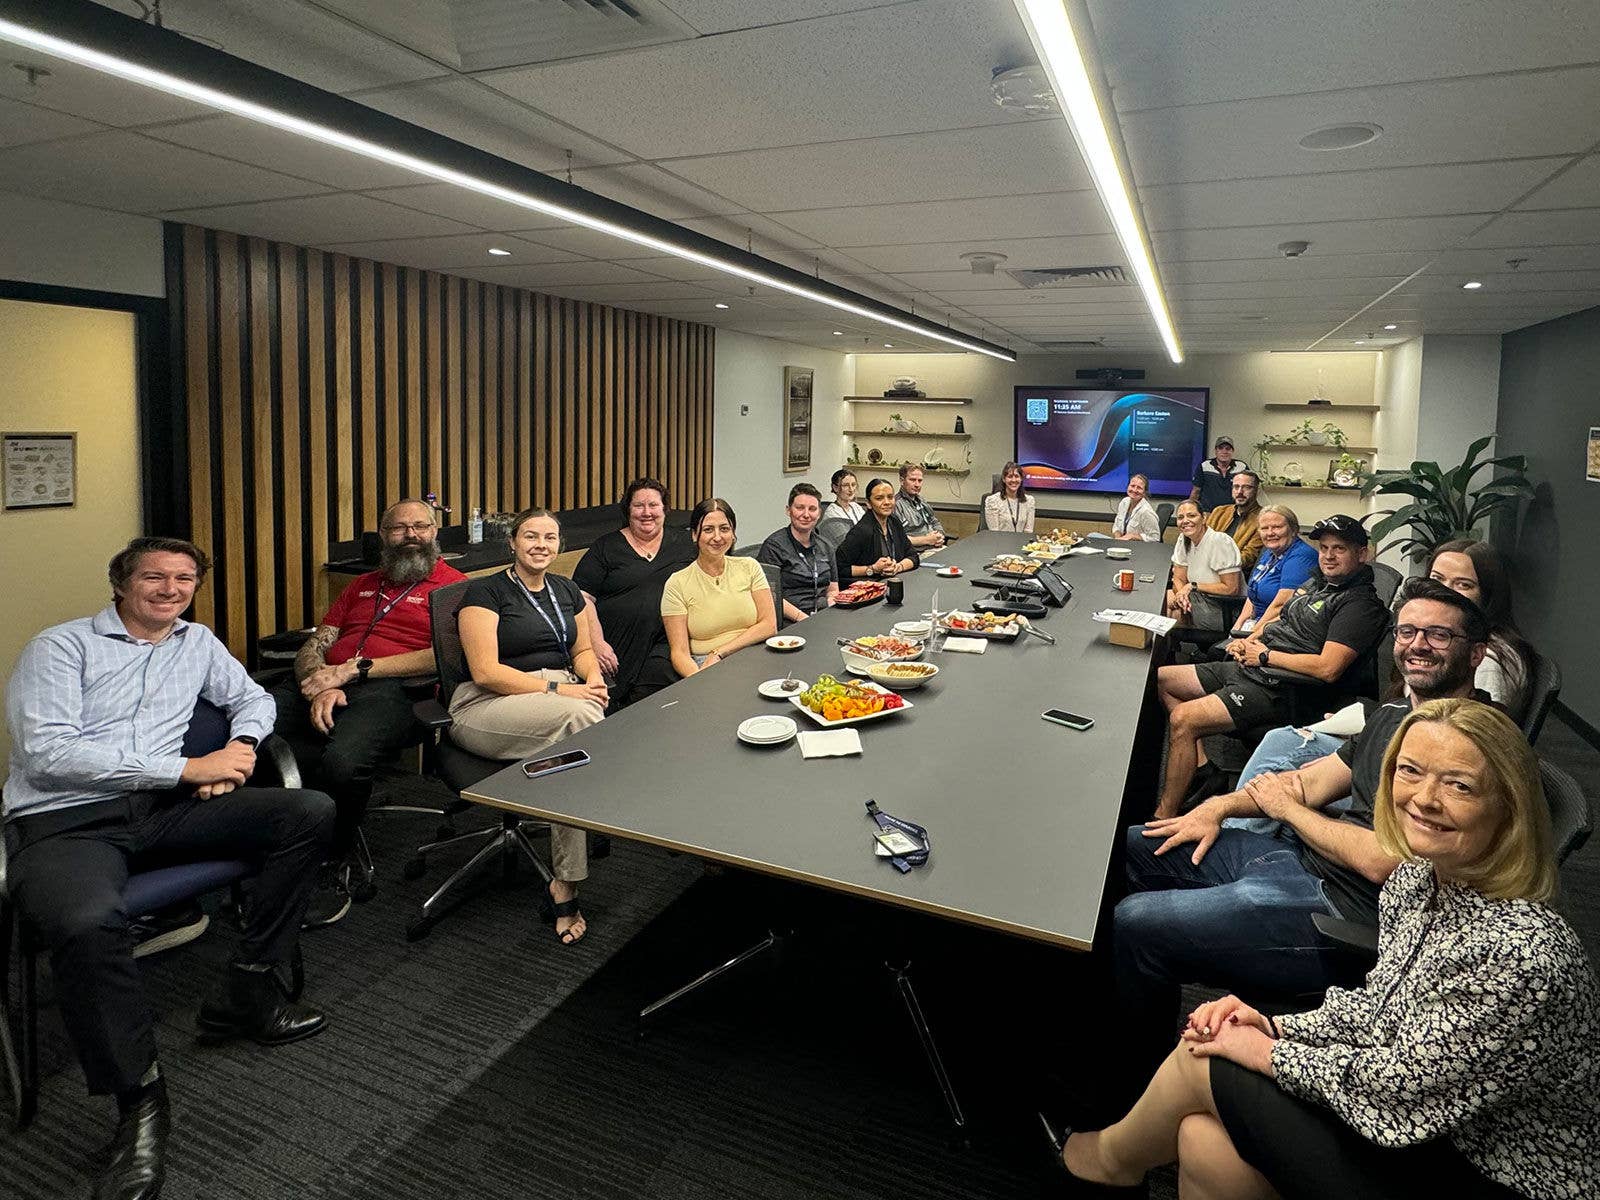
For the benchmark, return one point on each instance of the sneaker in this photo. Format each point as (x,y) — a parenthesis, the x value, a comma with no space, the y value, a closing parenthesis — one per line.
(330,896)
(167,929)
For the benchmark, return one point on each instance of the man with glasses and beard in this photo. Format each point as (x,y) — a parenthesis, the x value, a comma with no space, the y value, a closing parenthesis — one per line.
(346,711)
(1231,908)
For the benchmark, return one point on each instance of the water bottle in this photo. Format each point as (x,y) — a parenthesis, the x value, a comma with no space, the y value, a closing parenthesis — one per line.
(475,527)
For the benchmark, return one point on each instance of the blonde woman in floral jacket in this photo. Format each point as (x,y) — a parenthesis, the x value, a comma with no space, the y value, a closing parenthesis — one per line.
(1469,1063)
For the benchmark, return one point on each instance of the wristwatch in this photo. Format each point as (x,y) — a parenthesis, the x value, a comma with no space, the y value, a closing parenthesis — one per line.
(363,665)
(550,685)
(1262,657)
(247,740)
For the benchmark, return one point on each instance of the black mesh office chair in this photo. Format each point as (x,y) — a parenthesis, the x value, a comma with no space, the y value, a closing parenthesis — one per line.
(833,529)
(1164,512)
(458,770)
(1544,685)
(1571,823)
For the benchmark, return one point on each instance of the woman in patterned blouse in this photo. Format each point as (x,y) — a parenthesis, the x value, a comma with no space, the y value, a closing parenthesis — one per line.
(1467,1066)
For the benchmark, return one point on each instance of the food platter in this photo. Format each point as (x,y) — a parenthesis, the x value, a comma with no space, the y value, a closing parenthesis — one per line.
(993,626)
(892,702)
(1013,567)
(860,594)
(865,651)
(902,676)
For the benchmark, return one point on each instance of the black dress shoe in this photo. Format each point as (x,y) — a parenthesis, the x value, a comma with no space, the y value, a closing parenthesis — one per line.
(138,1155)
(1084,1188)
(250,1004)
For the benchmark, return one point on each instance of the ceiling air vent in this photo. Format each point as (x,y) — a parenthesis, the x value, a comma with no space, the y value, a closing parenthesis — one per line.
(1054,277)
(1080,344)
(508,33)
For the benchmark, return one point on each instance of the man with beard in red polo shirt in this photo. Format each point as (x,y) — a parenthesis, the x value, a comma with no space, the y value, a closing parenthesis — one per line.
(347,711)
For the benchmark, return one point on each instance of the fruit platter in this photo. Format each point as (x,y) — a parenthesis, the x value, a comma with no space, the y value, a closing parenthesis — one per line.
(995,626)
(830,702)
(1057,542)
(860,594)
(1016,568)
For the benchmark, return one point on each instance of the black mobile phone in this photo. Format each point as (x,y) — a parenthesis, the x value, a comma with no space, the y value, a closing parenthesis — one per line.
(536,767)
(1071,720)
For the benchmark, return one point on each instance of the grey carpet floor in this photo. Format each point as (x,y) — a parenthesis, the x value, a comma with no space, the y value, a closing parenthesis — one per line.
(488,1061)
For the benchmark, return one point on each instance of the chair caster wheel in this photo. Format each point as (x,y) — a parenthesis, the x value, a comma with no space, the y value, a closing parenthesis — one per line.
(414,868)
(418,929)
(362,890)
(444,833)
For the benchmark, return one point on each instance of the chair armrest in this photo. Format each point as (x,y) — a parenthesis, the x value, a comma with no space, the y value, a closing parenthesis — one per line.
(419,686)
(431,714)
(278,752)
(271,677)
(5,893)
(1352,935)
(1286,676)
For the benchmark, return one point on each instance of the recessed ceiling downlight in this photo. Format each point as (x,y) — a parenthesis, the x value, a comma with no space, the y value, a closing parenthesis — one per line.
(1341,137)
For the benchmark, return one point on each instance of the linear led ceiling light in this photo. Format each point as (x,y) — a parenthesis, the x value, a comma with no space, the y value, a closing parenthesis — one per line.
(82,32)
(1062,55)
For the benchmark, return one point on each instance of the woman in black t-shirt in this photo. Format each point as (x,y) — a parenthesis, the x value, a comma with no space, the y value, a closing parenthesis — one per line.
(535,682)
(877,544)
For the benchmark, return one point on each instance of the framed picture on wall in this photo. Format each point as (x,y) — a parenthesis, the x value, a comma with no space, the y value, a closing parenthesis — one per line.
(39,470)
(1592,474)
(797,419)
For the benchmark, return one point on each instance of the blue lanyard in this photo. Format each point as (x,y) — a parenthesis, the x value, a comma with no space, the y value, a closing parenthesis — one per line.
(560,634)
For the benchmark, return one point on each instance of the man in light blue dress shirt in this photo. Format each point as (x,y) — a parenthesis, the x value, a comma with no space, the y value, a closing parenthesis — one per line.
(100,787)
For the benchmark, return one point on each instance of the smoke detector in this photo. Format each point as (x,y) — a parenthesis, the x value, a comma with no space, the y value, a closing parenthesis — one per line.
(983,262)
(1026,90)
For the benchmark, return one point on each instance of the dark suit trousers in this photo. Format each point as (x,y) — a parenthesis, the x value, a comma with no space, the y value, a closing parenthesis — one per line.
(376,723)
(68,868)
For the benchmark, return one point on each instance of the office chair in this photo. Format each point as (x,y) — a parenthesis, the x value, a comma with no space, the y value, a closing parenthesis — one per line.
(1164,512)
(458,770)
(1544,685)
(144,892)
(833,529)
(1571,823)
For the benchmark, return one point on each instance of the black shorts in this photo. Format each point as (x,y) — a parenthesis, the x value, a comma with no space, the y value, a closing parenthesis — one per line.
(1250,701)
(1308,1153)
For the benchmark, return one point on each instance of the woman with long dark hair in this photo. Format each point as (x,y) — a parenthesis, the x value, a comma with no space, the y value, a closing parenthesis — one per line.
(1010,509)
(877,544)
(1475,569)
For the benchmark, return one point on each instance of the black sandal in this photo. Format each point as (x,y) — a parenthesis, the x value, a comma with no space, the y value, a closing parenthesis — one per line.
(551,910)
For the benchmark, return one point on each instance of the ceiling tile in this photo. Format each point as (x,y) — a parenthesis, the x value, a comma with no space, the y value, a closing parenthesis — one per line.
(131,173)
(654,190)
(977,221)
(995,160)
(1578,187)
(1020,253)
(541,276)
(1341,237)
(319,220)
(82,92)
(21,124)
(450,253)
(1555,227)
(723,16)
(247,141)
(789,84)
(469,207)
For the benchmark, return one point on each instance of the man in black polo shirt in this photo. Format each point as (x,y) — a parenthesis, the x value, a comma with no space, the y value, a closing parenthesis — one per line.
(1213,478)
(1233,910)
(805,560)
(1325,629)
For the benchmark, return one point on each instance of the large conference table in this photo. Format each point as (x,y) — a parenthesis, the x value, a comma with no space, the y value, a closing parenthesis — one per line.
(1022,815)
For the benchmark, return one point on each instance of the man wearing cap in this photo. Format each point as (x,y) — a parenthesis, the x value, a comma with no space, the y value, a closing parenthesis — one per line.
(1213,477)
(1238,519)
(1326,629)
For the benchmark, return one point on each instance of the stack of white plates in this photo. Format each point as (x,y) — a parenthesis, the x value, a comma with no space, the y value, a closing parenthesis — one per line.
(912,630)
(1119,552)
(767,730)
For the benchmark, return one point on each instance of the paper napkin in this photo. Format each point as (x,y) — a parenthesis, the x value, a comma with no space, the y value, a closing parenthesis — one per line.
(965,645)
(829,743)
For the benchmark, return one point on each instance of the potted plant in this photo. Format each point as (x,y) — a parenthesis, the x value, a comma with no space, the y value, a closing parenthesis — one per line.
(1443,505)
(1346,471)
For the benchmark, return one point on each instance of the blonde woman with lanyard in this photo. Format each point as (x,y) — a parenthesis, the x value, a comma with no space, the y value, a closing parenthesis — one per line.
(1010,510)
(535,682)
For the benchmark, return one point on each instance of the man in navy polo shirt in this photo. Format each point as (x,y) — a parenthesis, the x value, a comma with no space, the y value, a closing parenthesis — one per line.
(346,711)
(1213,478)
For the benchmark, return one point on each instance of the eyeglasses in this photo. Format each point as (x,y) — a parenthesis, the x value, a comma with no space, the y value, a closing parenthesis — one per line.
(413,527)
(1436,636)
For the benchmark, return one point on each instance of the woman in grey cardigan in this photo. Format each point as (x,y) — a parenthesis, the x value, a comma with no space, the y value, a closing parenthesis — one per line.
(1469,1063)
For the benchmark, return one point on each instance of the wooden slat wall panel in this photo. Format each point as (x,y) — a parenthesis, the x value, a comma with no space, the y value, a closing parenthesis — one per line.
(320,388)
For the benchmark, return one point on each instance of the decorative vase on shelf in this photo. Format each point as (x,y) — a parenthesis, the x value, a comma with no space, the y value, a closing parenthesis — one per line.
(1292,474)
(874,457)
(961,426)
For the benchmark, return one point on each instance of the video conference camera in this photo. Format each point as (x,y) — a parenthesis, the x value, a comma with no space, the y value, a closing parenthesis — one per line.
(1109,375)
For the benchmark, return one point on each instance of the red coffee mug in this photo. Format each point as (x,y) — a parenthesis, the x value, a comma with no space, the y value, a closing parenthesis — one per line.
(1124,581)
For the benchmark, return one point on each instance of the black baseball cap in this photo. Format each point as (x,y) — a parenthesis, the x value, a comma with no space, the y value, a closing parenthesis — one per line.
(1346,528)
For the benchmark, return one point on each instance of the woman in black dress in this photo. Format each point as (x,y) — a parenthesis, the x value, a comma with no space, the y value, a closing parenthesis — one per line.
(623,573)
(877,544)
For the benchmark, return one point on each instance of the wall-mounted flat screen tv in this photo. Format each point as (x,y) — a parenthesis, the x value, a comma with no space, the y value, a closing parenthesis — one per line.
(1080,439)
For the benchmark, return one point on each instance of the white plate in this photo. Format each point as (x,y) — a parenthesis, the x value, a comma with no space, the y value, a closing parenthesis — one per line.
(854,669)
(785,641)
(823,721)
(772,689)
(769,730)
(1119,553)
(948,572)
(911,629)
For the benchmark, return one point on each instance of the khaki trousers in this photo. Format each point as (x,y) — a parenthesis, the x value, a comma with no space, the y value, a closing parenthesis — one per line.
(511,728)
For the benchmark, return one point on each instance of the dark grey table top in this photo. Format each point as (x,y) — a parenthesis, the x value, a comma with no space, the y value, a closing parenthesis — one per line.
(1022,814)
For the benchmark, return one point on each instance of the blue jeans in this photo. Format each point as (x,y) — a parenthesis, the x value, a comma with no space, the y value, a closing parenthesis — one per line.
(1241,920)
(1284,749)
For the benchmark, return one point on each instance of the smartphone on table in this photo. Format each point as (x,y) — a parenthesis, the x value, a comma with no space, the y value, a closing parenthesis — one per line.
(1071,720)
(535,767)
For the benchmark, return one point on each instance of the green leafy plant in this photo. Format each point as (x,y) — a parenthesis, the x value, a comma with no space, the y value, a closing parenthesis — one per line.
(1444,505)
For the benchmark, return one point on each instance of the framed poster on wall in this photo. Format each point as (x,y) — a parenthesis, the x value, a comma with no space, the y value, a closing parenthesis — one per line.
(796,419)
(40,470)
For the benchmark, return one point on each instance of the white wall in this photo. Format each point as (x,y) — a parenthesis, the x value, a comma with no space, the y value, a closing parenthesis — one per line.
(68,245)
(1240,384)
(1459,398)
(747,433)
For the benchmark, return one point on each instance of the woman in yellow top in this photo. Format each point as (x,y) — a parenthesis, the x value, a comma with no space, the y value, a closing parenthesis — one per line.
(717,604)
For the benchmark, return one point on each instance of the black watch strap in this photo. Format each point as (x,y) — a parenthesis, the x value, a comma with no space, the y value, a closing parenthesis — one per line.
(247,740)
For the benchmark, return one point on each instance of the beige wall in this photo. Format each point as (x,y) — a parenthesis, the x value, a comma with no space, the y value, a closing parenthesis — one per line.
(67,370)
(1240,384)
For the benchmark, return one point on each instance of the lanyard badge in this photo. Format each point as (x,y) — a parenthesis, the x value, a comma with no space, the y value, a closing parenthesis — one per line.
(907,843)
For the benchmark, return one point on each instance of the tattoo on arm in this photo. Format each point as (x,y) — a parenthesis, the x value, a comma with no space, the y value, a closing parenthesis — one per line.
(310,656)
